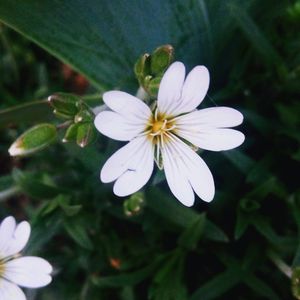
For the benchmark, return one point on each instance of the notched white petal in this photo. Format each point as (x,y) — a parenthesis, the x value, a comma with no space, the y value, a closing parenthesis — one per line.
(118,127)
(184,167)
(7,229)
(19,239)
(29,271)
(131,166)
(194,90)
(170,88)
(127,105)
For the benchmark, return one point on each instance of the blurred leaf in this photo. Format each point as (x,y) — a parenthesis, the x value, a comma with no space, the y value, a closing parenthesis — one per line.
(265,228)
(190,237)
(217,286)
(242,223)
(243,162)
(35,186)
(6,182)
(214,233)
(168,283)
(261,288)
(127,279)
(78,232)
(81,35)
(257,38)
(43,230)
(170,208)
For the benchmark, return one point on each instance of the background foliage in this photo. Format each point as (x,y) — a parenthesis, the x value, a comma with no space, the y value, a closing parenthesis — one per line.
(245,244)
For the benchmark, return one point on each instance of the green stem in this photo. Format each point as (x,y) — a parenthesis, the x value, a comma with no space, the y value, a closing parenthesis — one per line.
(8,193)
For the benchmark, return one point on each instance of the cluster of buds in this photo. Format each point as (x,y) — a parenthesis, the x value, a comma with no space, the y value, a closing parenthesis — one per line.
(78,122)
(150,68)
(78,116)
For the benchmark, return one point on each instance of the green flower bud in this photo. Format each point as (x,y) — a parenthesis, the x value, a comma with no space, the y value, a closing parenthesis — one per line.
(84,116)
(153,86)
(71,133)
(296,283)
(161,58)
(134,204)
(64,104)
(34,140)
(142,67)
(86,134)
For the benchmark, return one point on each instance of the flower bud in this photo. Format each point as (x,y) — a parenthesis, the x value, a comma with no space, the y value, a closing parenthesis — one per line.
(142,67)
(64,104)
(134,204)
(153,86)
(84,116)
(296,282)
(86,134)
(161,58)
(33,140)
(71,133)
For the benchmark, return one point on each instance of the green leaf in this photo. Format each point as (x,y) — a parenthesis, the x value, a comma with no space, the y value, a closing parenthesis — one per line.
(214,233)
(103,39)
(169,208)
(190,237)
(264,227)
(242,223)
(77,231)
(217,286)
(35,186)
(127,279)
(260,287)
(256,37)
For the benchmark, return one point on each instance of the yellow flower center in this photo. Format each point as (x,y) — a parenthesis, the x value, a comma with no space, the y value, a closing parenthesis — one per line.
(157,126)
(159,129)
(2,268)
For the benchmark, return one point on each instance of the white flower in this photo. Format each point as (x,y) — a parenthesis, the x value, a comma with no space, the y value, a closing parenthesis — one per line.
(28,271)
(166,134)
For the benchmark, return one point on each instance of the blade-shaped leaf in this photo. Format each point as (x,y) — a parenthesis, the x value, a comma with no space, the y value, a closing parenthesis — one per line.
(102,39)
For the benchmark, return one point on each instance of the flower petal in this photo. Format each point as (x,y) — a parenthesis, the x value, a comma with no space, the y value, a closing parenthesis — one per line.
(184,167)
(169,92)
(194,90)
(128,106)
(19,239)
(117,126)
(7,229)
(29,271)
(10,291)
(132,166)
(213,117)
(176,178)
(213,139)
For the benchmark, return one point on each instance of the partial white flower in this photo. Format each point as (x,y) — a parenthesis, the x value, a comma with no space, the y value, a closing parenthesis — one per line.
(166,135)
(15,270)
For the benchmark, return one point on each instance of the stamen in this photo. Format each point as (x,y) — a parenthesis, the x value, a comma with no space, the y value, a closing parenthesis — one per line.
(156,114)
(171,128)
(164,124)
